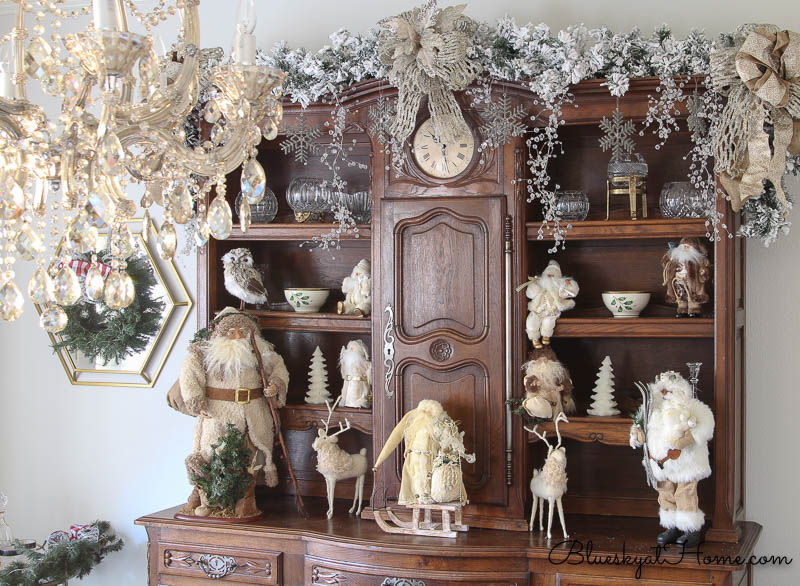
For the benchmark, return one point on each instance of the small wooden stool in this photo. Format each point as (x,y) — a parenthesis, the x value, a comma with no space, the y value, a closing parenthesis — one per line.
(449,527)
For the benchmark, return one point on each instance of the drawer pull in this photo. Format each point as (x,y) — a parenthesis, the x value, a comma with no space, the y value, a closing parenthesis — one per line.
(402,582)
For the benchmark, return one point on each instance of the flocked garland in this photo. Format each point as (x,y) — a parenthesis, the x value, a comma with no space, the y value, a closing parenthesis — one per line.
(114,334)
(549,63)
(62,561)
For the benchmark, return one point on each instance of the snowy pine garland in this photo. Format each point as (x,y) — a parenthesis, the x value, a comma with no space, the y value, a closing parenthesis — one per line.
(550,62)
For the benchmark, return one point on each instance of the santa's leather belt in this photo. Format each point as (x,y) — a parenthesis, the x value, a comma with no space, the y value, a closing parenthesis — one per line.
(242,395)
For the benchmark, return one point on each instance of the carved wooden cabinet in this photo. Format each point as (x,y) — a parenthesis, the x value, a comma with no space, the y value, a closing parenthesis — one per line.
(447,324)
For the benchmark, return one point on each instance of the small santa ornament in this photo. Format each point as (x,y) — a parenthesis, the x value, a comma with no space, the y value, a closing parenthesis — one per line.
(357,289)
(687,273)
(548,385)
(356,370)
(674,429)
(550,293)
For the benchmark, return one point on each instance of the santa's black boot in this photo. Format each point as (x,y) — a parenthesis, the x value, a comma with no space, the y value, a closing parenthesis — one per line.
(690,539)
(669,536)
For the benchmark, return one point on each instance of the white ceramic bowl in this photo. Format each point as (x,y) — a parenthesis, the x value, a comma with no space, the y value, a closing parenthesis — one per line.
(626,303)
(305,300)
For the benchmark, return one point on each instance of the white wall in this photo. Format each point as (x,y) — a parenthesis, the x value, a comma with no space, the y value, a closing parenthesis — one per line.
(73,454)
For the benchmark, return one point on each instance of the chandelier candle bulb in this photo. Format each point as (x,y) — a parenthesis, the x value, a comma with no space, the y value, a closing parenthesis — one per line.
(7,71)
(107,15)
(244,41)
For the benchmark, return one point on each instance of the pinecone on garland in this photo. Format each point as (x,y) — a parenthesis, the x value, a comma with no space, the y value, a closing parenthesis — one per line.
(603,403)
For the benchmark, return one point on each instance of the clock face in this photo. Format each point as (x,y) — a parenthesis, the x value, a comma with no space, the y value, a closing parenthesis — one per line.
(442,160)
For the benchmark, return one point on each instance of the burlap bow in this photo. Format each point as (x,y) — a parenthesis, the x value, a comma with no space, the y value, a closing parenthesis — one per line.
(428,51)
(764,90)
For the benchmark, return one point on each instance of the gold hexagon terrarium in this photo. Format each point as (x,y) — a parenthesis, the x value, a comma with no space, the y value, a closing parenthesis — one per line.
(141,369)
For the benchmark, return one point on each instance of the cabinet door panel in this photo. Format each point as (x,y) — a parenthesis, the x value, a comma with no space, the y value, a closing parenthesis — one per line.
(442,273)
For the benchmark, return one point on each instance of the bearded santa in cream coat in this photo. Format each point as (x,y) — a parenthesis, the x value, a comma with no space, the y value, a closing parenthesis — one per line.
(221,384)
(550,293)
(677,435)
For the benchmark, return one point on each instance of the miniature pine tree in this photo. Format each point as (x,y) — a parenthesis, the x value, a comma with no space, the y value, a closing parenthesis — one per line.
(603,404)
(317,380)
(225,477)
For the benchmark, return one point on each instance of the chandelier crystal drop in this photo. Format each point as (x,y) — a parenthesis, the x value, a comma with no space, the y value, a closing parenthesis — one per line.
(67,170)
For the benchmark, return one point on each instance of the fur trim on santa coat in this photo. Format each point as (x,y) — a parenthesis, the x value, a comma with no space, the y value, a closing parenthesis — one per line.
(693,462)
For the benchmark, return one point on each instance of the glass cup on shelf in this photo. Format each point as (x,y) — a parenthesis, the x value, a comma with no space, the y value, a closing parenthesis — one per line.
(681,199)
(264,211)
(572,206)
(308,196)
(360,206)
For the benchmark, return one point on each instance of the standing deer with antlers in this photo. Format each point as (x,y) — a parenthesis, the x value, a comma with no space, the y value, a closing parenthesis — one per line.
(551,481)
(336,464)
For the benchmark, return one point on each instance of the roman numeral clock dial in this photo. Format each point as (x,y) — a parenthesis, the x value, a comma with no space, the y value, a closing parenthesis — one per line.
(438,159)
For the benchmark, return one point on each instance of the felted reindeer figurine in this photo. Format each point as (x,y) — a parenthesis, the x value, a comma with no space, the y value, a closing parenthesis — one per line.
(336,464)
(551,481)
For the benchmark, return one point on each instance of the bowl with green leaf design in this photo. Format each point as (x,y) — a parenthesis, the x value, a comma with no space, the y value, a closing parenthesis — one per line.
(626,303)
(306,300)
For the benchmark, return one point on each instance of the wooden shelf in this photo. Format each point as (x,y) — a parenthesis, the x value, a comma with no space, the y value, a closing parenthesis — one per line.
(626,229)
(304,417)
(634,327)
(313,322)
(300,232)
(612,431)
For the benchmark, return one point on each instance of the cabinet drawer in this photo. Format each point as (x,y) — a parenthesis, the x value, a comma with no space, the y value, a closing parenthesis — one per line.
(586,580)
(328,572)
(236,565)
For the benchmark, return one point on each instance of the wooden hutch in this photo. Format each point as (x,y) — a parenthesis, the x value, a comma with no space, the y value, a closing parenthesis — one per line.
(447,324)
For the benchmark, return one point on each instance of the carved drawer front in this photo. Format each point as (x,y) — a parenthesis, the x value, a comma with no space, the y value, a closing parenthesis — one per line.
(219,563)
(328,572)
(585,580)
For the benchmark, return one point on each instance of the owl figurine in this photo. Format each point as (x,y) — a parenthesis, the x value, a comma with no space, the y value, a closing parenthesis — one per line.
(242,279)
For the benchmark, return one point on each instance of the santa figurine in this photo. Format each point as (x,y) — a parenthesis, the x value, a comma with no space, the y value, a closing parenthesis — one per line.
(550,293)
(674,429)
(548,385)
(687,273)
(356,370)
(357,289)
(430,437)
(221,384)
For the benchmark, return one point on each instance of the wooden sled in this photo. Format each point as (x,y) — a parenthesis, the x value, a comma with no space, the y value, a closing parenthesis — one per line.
(391,523)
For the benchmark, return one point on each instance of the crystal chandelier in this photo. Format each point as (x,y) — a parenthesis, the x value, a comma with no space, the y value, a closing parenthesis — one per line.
(123,101)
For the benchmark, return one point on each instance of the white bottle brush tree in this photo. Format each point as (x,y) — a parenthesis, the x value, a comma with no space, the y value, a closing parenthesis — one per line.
(317,380)
(603,404)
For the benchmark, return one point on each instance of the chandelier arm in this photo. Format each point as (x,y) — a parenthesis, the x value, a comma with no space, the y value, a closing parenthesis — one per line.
(163,110)
(223,159)
(9,125)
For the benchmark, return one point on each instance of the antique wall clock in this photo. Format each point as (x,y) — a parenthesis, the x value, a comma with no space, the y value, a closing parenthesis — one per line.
(439,159)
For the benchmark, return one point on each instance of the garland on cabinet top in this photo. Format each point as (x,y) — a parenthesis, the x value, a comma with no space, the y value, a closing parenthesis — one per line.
(744,113)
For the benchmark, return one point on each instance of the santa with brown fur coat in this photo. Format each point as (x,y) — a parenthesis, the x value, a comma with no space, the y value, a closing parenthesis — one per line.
(687,272)
(225,366)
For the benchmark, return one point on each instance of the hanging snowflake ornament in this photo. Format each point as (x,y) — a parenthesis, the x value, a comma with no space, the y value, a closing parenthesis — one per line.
(429,51)
(381,116)
(617,135)
(502,122)
(301,140)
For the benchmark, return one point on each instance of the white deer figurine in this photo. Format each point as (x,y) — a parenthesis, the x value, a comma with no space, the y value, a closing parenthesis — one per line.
(336,464)
(551,481)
